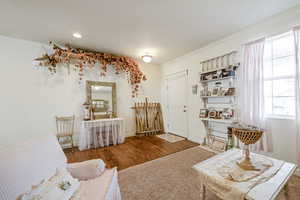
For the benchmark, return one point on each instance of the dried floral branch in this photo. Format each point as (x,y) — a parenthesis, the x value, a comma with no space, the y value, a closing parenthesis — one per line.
(88,59)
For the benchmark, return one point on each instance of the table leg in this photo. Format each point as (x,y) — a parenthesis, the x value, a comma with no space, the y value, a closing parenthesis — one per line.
(286,191)
(203,192)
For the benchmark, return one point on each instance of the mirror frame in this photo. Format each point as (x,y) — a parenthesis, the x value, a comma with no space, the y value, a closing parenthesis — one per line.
(89,85)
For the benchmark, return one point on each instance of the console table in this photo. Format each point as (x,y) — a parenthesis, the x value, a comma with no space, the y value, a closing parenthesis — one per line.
(267,190)
(102,132)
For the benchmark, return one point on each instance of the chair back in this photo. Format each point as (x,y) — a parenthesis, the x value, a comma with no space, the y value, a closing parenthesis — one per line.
(65,125)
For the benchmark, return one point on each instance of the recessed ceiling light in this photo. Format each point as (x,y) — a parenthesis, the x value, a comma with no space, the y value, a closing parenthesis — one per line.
(147,58)
(77,35)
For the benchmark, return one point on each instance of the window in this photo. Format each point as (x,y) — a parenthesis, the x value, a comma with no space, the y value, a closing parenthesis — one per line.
(279,72)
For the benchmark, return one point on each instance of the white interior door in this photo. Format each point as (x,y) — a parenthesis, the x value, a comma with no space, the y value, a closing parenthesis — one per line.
(177,104)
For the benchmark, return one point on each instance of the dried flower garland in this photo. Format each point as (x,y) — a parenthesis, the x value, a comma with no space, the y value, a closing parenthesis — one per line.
(88,59)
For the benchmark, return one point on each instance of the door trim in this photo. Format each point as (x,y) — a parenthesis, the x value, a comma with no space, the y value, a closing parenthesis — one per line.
(174,76)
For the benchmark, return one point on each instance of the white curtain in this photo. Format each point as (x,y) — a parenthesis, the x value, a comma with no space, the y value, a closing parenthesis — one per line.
(101,133)
(297,89)
(251,92)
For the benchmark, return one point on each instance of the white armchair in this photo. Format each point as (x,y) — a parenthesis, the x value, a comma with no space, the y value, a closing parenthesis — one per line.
(28,163)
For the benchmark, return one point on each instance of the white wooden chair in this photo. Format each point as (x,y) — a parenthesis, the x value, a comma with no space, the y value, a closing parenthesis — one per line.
(65,130)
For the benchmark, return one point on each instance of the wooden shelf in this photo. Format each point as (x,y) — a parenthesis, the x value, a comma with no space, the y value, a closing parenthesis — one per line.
(226,121)
(219,79)
(214,70)
(204,97)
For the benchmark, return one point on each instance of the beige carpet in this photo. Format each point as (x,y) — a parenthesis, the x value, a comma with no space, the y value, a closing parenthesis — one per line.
(170,138)
(172,177)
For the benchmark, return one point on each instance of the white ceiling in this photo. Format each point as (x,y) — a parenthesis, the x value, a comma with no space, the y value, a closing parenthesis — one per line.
(164,28)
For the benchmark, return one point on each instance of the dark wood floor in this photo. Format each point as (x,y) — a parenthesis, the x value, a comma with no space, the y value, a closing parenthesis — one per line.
(135,150)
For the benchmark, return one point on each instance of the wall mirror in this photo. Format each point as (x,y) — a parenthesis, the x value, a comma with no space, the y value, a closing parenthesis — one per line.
(102,98)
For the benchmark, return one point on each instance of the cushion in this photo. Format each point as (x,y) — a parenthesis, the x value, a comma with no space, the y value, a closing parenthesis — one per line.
(103,187)
(86,170)
(59,187)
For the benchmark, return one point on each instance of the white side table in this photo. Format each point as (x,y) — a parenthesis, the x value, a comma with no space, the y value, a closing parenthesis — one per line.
(265,191)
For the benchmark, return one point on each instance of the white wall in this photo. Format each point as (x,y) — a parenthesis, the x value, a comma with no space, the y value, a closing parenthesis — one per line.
(283,130)
(30,97)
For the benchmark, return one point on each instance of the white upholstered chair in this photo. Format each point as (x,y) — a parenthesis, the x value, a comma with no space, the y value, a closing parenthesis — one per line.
(28,163)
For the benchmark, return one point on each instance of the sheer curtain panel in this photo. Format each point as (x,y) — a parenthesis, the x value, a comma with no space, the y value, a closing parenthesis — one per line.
(296,31)
(251,91)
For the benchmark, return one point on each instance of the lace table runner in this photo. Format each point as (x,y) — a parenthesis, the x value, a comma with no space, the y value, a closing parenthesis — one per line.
(231,171)
(221,175)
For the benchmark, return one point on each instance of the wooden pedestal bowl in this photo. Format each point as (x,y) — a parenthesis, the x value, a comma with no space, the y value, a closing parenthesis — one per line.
(247,137)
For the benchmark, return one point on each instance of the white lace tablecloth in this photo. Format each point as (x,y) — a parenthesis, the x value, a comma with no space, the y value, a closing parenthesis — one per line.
(102,132)
(212,174)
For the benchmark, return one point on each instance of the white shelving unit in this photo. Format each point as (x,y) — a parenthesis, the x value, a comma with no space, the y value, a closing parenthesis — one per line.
(216,129)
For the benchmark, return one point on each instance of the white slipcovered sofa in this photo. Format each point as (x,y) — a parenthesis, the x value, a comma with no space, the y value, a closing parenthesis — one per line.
(28,163)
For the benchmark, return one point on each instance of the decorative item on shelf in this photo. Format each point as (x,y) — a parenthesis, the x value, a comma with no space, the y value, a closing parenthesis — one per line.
(212,113)
(219,74)
(220,64)
(227,60)
(227,113)
(205,66)
(226,73)
(209,76)
(205,92)
(203,113)
(232,58)
(217,62)
(219,114)
(202,92)
(87,111)
(214,64)
(195,89)
(211,64)
(222,92)
(215,91)
(230,92)
(247,137)
(223,61)
(214,75)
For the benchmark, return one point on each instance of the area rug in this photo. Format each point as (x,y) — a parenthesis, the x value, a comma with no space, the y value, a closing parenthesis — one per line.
(170,138)
(172,177)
